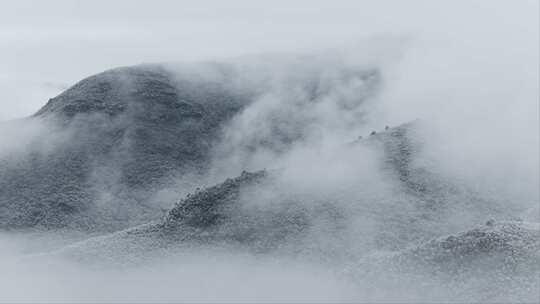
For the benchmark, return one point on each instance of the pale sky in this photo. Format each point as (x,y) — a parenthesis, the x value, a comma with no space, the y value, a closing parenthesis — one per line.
(46,46)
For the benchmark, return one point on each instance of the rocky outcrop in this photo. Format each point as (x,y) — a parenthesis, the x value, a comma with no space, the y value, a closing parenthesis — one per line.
(207,207)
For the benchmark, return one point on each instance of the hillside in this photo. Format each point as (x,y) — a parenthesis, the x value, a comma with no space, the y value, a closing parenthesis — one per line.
(124,134)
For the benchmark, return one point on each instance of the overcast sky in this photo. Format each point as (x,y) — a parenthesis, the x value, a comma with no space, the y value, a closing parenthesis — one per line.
(46,46)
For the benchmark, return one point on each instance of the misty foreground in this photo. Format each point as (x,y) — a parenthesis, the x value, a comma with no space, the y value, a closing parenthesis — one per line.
(279,199)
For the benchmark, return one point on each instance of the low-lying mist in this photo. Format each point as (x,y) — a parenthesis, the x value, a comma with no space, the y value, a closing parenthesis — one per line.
(196,275)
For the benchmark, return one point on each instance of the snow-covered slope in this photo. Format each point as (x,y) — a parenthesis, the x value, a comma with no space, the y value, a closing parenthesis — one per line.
(122,135)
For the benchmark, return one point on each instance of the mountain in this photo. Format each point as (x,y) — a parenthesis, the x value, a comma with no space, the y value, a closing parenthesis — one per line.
(259,154)
(124,134)
(116,149)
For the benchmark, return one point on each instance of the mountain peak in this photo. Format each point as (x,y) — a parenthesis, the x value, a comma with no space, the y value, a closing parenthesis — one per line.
(110,91)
